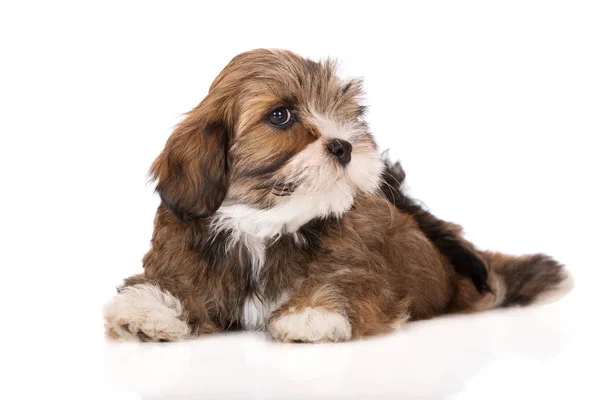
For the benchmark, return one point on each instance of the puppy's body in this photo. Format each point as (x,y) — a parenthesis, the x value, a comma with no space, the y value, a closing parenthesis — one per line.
(368,276)
(284,226)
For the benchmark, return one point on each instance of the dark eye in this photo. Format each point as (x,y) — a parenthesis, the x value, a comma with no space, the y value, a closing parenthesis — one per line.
(281,117)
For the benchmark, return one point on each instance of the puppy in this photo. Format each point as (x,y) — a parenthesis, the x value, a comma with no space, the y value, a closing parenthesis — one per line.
(278,212)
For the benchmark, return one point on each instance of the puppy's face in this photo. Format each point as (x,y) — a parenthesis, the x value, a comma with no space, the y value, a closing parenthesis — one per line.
(276,131)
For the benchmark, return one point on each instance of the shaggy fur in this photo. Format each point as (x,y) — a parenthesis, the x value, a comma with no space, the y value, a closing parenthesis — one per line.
(303,228)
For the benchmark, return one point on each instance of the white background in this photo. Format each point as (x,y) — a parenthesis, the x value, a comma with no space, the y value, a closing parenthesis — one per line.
(493,108)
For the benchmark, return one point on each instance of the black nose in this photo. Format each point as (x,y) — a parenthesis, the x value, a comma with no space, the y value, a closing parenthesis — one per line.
(341,149)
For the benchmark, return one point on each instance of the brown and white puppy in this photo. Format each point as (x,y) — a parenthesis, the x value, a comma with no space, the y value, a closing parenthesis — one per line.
(279,213)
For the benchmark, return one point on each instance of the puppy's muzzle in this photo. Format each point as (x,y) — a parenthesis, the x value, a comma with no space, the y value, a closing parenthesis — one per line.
(341,149)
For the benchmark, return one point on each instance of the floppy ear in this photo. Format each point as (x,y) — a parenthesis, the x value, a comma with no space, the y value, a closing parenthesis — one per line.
(191,171)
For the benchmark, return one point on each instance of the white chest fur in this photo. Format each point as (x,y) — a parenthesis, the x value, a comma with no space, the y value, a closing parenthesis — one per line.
(248,223)
(256,309)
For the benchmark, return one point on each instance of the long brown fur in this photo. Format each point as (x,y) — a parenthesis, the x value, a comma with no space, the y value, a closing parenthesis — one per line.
(335,277)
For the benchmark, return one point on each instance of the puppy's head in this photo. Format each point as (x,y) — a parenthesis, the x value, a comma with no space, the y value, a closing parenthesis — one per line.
(276,131)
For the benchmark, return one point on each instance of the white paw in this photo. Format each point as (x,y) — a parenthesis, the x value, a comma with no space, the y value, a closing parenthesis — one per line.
(311,325)
(147,313)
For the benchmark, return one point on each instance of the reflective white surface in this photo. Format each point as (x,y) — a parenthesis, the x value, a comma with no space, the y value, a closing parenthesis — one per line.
(538,351)
(546,352)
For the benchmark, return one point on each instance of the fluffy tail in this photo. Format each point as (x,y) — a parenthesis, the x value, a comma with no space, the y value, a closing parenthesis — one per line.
(520,281)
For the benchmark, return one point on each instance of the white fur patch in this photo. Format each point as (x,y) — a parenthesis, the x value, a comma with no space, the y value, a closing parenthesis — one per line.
(311,325)
(256,313)
(284,218)
(148,309)
(329,128)
(559,291)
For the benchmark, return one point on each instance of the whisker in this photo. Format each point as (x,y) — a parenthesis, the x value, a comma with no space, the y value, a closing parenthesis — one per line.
(394,190)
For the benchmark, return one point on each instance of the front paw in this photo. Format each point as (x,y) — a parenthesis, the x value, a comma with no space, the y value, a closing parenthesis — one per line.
(310,324)
(145,313)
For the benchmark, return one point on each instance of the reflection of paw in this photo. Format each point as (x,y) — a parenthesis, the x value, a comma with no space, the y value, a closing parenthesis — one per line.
(146,313)
(311,325)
